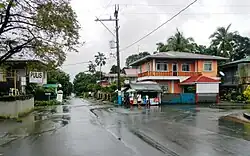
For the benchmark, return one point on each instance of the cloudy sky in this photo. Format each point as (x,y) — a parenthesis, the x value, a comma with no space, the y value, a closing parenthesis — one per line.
(138,17)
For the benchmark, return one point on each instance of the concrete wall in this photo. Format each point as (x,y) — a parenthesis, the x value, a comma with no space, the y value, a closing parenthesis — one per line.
(14,108)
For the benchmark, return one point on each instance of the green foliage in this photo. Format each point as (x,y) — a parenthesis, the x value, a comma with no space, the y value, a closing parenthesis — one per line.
(223,39)
(223,43)
(100,61)
(14,98)
(246,93)
(83,83)
(47,103)
(113,69)
(57,76)
(177,42)
(91,67)
(134,57)
(44,29)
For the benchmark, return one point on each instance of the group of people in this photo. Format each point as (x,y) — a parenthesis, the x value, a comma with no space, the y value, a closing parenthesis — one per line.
(129,100)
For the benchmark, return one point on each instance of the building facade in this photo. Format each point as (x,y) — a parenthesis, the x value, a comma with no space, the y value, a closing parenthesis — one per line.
(180,72)
(236,74)
(15,75)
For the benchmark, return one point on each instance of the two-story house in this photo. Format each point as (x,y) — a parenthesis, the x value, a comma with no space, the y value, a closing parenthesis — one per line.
(236,74)
(180,72)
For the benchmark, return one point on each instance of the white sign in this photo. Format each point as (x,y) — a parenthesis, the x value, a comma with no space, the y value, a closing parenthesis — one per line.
(23,81)
(207,88)
(36,77)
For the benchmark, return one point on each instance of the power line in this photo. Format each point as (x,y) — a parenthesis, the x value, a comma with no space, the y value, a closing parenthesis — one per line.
(159,26)
(97,18)
(165,13)
(179,5)
(76,63)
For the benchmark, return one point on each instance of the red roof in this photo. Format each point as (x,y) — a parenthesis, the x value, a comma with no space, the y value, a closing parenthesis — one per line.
(199,79)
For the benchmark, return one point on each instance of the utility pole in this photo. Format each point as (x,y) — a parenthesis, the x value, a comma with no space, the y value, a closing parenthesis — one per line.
(117,50)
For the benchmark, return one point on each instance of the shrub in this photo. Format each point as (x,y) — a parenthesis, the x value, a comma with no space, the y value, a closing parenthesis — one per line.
(246,93)
(47,103)
(14,98)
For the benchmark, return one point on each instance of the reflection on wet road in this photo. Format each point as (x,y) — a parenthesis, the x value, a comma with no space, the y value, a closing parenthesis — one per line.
(169,130)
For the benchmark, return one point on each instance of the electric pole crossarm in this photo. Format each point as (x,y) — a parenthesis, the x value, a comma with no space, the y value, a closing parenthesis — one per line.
(117,49)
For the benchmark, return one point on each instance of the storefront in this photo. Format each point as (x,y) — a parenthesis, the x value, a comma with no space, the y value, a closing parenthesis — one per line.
(143,91)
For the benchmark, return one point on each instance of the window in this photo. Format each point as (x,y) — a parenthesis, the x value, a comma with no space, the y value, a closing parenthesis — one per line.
(185,67)
(207,66)
(161,67)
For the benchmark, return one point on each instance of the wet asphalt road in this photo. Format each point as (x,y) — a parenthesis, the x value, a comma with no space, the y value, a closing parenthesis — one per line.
(171,130)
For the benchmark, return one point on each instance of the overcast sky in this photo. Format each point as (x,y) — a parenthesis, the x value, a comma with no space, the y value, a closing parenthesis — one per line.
(138,17)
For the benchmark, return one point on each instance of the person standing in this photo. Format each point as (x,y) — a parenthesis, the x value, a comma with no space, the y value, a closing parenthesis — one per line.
(139,100)
(147,101)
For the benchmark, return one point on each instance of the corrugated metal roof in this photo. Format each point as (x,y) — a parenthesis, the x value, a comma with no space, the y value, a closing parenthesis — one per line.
(199,79)
(178,55)
(244,60)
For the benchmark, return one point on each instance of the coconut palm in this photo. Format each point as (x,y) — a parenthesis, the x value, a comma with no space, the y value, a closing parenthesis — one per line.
(177,42)
(100,60)
(223,40)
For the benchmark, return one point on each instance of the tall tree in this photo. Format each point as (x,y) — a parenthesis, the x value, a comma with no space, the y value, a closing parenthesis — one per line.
(59,76)
(43,29)
(222,38)
(177,42)
(134,57)
(113,69)
(241,47)
(91,67)
(100,60)
(82,82)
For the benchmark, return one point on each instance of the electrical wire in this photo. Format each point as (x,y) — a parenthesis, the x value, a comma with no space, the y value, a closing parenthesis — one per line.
(165,13)
(159,26)
(75,63)
(175,5)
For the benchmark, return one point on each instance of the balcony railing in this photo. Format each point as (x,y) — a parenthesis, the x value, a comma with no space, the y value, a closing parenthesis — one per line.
(170,73)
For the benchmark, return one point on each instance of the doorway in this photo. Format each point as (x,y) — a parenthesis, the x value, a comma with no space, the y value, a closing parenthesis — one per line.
(175,69)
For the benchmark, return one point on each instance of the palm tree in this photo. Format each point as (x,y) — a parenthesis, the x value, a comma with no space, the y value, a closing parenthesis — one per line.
(223,40)
(100,60)
(178,42)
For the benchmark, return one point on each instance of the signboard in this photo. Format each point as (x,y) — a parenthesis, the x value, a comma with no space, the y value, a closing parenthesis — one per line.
(48,94)
(207,88)
(36,77)
(23,81)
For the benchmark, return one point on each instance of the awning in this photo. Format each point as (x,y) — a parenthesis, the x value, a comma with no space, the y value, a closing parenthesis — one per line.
(150,87)
(199,79)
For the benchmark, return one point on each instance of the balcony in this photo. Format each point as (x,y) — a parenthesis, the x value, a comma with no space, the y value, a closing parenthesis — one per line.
(170,73)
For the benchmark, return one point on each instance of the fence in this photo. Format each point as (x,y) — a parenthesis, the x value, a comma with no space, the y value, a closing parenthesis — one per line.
(182,98)
(189,98)
(15,106)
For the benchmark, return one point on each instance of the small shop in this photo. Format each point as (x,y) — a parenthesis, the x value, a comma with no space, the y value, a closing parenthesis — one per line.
(140,92)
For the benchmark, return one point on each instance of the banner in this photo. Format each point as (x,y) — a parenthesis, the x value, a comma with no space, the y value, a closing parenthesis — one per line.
(36,77)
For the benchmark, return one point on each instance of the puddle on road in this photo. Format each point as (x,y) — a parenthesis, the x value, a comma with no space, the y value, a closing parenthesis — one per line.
(49,119)
(234,128)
